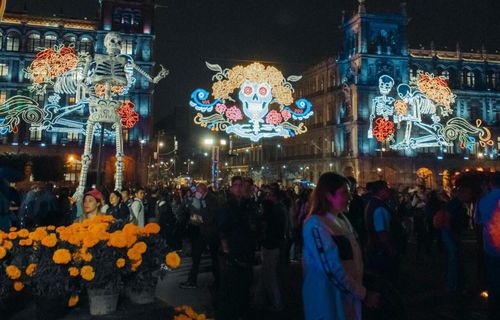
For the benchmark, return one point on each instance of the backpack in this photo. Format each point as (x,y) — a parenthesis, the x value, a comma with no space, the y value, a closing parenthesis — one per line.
(441,219)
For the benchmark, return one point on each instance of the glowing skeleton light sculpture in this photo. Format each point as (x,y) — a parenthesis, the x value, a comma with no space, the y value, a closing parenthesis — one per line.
(259,88)
(421,106)
(94,83)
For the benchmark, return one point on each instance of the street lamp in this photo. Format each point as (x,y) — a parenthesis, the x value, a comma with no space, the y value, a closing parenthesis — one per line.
(215,158)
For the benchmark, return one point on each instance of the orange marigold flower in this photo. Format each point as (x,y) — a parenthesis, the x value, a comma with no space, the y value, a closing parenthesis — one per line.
(134,254)
(30,269)
(13,272)
(49,241)
(85,255)
(28,242)
(61,256)
(51,228)
(131,239)
(73,271)
(173,260)
(120,263)
(12,235)
(90,241)
(38,234)
(3,235)
(118,239)
(3,252)
(23,233)
(131,229)
(75,239)
(22,242)
(18,286)
(12,229)
(7,244)
(73,300)
(151,228)
(87,273)
(136,264)
(141,247)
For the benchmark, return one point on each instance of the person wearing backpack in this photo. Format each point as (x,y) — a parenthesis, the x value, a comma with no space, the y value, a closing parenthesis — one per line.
(137,207)
(488,215)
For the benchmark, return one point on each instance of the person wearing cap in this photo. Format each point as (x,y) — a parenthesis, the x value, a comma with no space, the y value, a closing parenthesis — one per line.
(91,205)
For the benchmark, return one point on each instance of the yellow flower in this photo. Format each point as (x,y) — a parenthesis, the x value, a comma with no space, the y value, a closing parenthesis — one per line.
(133,254)
(13,272)
(23,233)
(49,241)
(3,252)
(7,244)
(61,256)
(12,235)
(30,269)
(141,247)
(18,286)
(73,300)
(118,239)
(151,228)
(173,260)
(87,273)
(73,271)
(120,263)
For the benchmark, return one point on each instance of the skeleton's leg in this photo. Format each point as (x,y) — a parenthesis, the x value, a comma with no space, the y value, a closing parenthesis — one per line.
(86,160)
(119,156)
(409,125)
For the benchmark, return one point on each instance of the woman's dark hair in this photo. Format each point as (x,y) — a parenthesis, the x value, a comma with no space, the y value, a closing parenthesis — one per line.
(328,183)
(118,194)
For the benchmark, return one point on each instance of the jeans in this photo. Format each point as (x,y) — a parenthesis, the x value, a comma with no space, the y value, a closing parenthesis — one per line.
(493,272)
(268,285)
(454,274)
(199,243)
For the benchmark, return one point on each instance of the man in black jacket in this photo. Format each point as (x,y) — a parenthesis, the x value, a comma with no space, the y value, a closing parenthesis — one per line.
(237,246)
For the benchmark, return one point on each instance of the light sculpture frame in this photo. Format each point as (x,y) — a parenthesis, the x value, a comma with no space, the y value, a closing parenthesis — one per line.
(259,87)
(424,105)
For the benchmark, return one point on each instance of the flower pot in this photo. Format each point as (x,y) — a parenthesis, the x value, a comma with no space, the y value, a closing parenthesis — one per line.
(102,301)
(144,296)
(51,307)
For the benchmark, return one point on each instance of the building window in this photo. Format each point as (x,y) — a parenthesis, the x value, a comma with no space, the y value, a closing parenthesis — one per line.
(127,46)
(50,40)
(446,74)
(470,79)
(3,96)
(85,45)
(33,42)
(1,40)
(492,79)
(4,69)
(13,41)
(73,136)
(35,135)
(67,40)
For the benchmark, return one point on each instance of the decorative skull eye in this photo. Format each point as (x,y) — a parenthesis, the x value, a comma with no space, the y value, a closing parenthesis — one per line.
(112,40)
(263,91)
(247,90)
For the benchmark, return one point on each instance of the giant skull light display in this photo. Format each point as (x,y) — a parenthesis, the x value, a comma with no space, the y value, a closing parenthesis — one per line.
(266,100)
(421,109)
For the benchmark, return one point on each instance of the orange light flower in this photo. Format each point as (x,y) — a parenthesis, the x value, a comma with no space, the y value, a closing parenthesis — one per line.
(30,269)
(87,273)
(173,260)
(13,272)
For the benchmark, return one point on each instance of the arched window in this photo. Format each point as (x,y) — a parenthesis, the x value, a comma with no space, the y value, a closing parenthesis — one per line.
(50,40)
(446,74)
(470,79)
(69,39)
(86,44)
(33,42)
(413,71)
(492,79)
(13,41)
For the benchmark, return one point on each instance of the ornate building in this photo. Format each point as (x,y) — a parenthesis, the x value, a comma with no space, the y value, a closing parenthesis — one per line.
(22,35)
(343,90)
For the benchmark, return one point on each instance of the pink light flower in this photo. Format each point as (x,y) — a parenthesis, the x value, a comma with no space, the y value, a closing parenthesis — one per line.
(234,114)
(220,107)
(286,115)
(274,117)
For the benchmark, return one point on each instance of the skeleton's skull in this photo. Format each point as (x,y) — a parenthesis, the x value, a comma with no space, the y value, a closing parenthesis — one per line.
(255,98)
(113,43)
(385,84)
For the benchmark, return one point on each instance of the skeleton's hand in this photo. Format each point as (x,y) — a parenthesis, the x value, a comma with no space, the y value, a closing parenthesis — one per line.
(162,74)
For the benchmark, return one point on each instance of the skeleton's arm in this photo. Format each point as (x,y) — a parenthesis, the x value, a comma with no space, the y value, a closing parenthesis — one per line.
(162,74)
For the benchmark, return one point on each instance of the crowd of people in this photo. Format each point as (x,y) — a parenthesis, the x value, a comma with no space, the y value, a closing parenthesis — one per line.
(350,240)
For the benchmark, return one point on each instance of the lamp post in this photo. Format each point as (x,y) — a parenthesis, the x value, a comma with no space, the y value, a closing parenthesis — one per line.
(215,158)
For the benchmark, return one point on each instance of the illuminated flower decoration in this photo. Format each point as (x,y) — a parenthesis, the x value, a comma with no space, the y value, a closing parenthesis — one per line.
(220,108)
(400,107)
(384,129)
(52,63)
(234,113)
(436,88)
(257,87)
(274,117)
(127,114)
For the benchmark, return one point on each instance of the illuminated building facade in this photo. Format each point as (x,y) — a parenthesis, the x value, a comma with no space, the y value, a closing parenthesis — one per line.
(22,35)
(343,90)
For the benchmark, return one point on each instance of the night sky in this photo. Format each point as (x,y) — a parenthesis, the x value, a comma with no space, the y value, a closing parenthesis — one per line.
(291,34)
